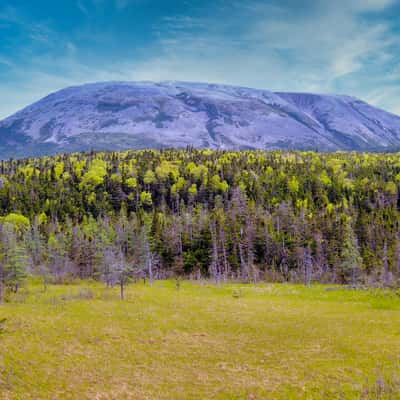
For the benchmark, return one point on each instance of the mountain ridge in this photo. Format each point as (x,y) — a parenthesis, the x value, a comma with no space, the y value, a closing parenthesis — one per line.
(122,115)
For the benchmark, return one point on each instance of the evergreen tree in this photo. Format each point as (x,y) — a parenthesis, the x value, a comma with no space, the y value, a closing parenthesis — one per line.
(351,259)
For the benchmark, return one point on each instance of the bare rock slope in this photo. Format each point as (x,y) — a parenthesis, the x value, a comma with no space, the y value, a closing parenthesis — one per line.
(122,115)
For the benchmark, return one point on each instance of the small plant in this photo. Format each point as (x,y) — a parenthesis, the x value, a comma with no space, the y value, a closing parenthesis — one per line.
(382,389)
(86,294)
(237,293)
(83,294)
(2,325)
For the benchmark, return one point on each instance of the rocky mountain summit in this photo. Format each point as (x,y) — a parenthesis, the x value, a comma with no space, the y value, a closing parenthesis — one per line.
(125,115)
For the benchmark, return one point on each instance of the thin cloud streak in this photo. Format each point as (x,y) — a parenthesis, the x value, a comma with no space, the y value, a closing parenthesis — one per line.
(250,43)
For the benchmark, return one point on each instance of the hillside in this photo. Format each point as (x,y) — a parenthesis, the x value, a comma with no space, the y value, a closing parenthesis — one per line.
(248,216)
(135,115)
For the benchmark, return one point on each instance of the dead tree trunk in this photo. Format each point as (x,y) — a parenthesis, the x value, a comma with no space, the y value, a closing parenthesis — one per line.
(224,255)
(387,276)
(121,287)
(308,266)
(215,268)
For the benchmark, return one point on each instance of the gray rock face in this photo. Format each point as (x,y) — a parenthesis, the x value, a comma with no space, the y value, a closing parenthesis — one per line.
(122,115)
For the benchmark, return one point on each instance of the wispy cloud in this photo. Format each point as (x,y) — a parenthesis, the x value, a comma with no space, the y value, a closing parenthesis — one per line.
(87,6)
(345,46)
(369,5)
(81,5)
(7,62)
(278,47)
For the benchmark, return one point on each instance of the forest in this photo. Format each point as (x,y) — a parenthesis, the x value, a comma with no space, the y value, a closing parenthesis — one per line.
(244,216)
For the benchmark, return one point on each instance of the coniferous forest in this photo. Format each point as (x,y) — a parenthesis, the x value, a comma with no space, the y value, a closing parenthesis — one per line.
(246,216)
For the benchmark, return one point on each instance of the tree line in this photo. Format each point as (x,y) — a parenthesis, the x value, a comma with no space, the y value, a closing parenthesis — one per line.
(228,215)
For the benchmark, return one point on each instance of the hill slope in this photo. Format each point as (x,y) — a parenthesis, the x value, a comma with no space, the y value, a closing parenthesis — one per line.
(121,115)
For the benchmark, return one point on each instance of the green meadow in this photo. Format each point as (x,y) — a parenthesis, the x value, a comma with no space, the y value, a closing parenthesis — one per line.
(199,341)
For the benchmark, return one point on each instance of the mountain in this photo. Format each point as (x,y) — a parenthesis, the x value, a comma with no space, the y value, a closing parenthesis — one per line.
(122,115)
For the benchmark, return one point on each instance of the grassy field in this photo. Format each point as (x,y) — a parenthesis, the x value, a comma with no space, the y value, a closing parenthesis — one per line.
(200,342)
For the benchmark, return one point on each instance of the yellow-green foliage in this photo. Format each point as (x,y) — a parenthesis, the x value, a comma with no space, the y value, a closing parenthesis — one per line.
(193,189)
(149,177)
(200,342)
(58,169)
(28,171)
(131,183)
(17,220)
(166,169)
(42,219)
(197,172)
(78,165)
(145,199)
(95,175)
(293,185)
(301,192)
(219,185)
(178,186)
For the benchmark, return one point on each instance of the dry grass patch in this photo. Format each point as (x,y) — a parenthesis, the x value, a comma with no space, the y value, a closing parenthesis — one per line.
(200,342)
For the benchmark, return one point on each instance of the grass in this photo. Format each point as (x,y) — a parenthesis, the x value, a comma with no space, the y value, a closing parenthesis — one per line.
(200,342)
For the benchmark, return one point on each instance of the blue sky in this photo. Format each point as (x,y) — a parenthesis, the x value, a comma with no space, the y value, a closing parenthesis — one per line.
(342,46)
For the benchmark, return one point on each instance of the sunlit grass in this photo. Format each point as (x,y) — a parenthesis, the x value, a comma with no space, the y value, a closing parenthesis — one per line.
(200,342)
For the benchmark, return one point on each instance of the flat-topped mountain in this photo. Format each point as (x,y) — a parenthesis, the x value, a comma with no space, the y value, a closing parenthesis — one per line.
(122,115)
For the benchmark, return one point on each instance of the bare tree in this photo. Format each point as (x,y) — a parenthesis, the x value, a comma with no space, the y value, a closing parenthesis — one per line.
(387,275)
(225,262)
(2,280)
(149,260)
(307,265)
(57,257)
(397,255)
(320,261)
(215,268)
(108,266)
(123,273)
